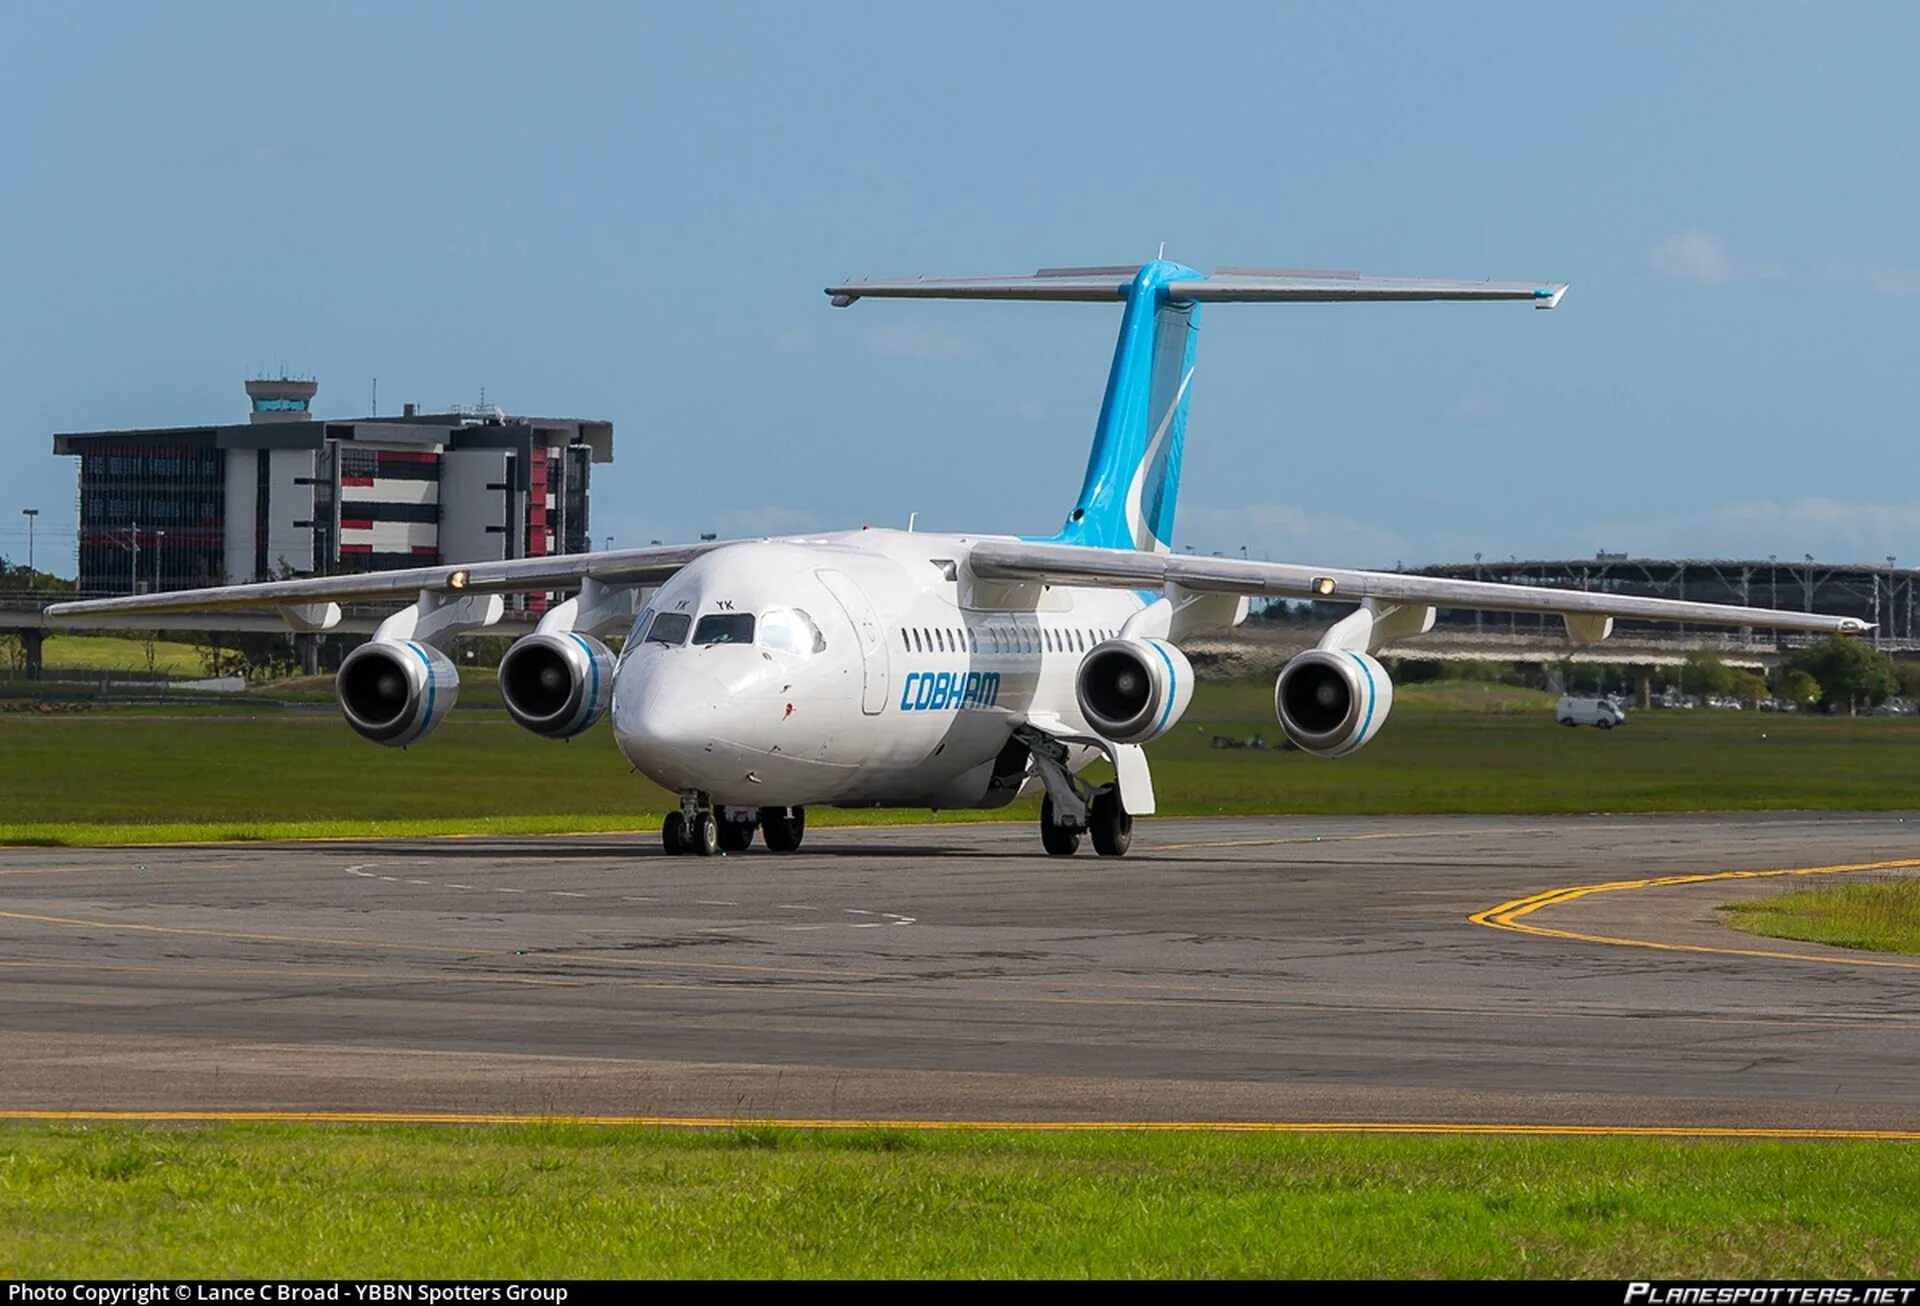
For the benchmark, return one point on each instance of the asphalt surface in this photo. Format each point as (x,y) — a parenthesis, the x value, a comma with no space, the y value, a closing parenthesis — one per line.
(1274,969)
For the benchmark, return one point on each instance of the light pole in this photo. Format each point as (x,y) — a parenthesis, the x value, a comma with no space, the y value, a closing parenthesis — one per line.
(159,543)
(1479,618)
(30,514)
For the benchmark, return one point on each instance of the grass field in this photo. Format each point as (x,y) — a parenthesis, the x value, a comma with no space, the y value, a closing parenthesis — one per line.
(110,776)
(111,653)
(567,1201)
(1874,915)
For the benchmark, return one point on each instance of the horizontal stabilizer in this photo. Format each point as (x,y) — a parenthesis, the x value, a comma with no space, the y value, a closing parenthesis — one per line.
(1070,285)
(1227,286)
(1252,286)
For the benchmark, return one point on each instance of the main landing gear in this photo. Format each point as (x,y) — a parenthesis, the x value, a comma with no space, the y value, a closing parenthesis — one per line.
(1073,808)
(703,830)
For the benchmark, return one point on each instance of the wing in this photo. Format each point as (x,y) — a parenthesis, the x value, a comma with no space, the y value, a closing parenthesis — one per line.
(561,571)
(1015,560)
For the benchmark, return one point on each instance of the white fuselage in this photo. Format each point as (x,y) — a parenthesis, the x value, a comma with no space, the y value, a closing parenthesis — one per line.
(899,682)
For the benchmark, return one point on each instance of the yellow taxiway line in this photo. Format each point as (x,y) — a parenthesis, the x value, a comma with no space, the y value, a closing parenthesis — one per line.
(984,1126)
(1512,915)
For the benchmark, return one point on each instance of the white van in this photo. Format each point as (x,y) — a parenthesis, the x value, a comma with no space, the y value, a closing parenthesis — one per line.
(1602,712)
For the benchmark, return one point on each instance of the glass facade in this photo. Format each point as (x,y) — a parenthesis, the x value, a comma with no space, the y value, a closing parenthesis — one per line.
(152,516)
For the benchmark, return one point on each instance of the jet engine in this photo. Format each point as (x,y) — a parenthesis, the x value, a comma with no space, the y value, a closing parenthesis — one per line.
(1133,690)
(394,691)
(1331,701)
(557,684)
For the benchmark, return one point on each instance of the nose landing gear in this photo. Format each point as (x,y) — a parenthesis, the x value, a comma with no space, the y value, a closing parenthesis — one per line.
(703,830)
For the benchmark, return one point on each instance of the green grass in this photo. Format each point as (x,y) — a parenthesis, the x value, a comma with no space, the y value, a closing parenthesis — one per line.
(112,653)
(1873,915)
(114,776)
(566,1201)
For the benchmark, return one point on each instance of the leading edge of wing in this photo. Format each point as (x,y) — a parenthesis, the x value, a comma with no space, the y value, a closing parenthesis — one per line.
(1123,569)
(560,571)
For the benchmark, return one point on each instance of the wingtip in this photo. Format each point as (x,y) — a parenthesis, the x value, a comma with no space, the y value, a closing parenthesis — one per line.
(1548,296)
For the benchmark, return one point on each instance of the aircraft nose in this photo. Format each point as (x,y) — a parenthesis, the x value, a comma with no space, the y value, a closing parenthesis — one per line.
(663,715)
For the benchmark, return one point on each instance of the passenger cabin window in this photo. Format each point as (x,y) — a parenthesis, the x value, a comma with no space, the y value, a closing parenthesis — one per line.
(724,628)
(669,628)
(790,630)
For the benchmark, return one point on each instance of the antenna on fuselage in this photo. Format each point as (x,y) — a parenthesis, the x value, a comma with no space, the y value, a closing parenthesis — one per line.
(912,517)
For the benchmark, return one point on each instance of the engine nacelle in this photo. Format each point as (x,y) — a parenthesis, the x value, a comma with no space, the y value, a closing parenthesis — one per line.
(1133,690)
(557,684)
(1331,701)
(393,691)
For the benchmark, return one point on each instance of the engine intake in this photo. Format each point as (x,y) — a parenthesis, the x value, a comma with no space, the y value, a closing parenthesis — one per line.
(1133,690)
(1331,701)
(394,691)
(557,684)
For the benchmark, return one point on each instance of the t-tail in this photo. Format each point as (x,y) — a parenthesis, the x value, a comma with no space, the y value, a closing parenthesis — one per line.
(1133,472)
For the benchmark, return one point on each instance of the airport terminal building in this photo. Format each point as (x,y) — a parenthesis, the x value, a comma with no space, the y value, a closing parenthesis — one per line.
(1883,594)
(285,494)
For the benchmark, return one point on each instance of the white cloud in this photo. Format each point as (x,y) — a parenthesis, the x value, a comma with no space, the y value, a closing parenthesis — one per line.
(1895,283)
(1480,406)
(1697,256)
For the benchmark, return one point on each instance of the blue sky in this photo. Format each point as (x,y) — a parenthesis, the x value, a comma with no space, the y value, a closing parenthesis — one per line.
(628,212)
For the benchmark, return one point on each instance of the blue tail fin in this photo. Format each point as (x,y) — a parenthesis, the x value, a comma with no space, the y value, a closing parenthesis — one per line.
(1133,473)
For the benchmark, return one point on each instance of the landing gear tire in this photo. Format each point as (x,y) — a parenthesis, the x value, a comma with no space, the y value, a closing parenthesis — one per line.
(673,834)
(1110,825)
(703,835)
(1058,840)
(783,827)
(736,836)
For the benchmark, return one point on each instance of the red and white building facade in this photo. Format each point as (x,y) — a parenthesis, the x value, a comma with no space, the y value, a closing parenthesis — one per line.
(286,494)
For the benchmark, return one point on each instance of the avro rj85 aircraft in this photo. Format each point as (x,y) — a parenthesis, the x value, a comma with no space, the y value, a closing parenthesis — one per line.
(881,667)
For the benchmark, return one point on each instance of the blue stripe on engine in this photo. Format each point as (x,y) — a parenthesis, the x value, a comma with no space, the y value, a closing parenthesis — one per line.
(1166,710)
(428,664)
(593,684)
(1366,721)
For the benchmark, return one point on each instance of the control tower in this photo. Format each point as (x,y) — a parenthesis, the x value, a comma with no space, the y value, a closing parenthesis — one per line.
(281,399)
